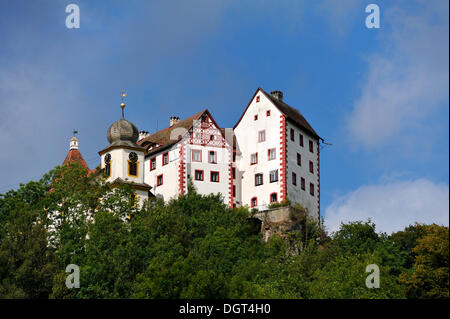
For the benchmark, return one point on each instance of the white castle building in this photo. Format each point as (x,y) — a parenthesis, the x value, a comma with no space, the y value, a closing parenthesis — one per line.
(272,153)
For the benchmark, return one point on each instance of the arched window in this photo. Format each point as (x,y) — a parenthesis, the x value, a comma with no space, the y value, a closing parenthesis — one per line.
(108,169)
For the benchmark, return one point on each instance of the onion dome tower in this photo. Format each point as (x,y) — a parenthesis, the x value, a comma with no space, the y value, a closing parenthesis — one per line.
(123,160)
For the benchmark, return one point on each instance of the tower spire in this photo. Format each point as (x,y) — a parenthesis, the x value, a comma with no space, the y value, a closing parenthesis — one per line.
(74,141)
(122,105)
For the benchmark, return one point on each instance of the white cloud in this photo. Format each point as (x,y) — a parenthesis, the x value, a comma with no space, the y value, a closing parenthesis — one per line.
(407,79)
(392,206)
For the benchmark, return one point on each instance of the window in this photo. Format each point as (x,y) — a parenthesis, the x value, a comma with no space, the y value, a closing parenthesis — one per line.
(132,168)
(311,189)
(254,159)
(261,136)
(233,172)
(211,138)
(212,158)
(258,179)
(257,99)
(273,176)
(165,159)
(302,183)
(273,198)
(268,113)
(108,169)
(234,190)
(198,175)
(159,180)
(301,140)
(311,145)
(271,154)
(294,178)
(254,202)
(215,177)
(153,163)
(133,200)
(292,135)
(196,155)
(311,167)
(299,159)
(255,118)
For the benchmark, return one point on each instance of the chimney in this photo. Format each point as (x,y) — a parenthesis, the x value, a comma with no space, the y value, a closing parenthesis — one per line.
(143,134)
(174,120)
(277,94)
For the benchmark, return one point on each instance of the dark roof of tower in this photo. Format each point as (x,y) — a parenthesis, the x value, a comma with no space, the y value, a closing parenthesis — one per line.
(288,111)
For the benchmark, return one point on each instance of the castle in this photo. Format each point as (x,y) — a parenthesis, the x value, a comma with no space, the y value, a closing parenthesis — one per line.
(272,153)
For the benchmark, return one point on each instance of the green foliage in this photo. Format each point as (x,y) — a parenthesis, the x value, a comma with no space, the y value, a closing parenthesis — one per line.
(430,276)
(196,247)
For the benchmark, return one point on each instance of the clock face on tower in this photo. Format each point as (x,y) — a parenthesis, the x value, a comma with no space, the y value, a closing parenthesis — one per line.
(107,158)
(133,157)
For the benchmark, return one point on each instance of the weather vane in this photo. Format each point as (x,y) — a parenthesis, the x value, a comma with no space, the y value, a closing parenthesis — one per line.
(75,132)
(122,105)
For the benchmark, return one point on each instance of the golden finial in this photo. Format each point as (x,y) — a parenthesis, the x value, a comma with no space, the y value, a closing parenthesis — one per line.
(122,105)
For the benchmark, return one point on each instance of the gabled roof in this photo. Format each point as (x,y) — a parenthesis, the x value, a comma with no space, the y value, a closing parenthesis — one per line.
(288,111)
(162,138)
(74,155)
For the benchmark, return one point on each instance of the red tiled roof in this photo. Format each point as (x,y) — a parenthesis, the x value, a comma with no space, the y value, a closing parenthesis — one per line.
(74,155)
(162,138)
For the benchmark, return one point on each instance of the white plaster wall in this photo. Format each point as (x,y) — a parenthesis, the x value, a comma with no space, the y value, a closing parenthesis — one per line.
(294,192)
(247,138)
(119,165)
(169,188)
(222,166)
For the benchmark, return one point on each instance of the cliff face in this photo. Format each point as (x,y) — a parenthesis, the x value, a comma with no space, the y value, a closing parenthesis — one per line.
(286,222)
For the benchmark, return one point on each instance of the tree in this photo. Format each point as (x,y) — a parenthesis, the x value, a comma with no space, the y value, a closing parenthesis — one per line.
(430,278)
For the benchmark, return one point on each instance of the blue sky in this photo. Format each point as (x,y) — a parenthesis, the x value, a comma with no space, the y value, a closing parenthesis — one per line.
(380,96)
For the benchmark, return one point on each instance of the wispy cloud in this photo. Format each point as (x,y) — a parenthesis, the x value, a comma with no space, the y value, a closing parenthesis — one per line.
(407,80)
(392,206)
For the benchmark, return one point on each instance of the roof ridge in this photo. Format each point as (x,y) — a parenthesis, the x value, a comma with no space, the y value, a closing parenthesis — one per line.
(147,138)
